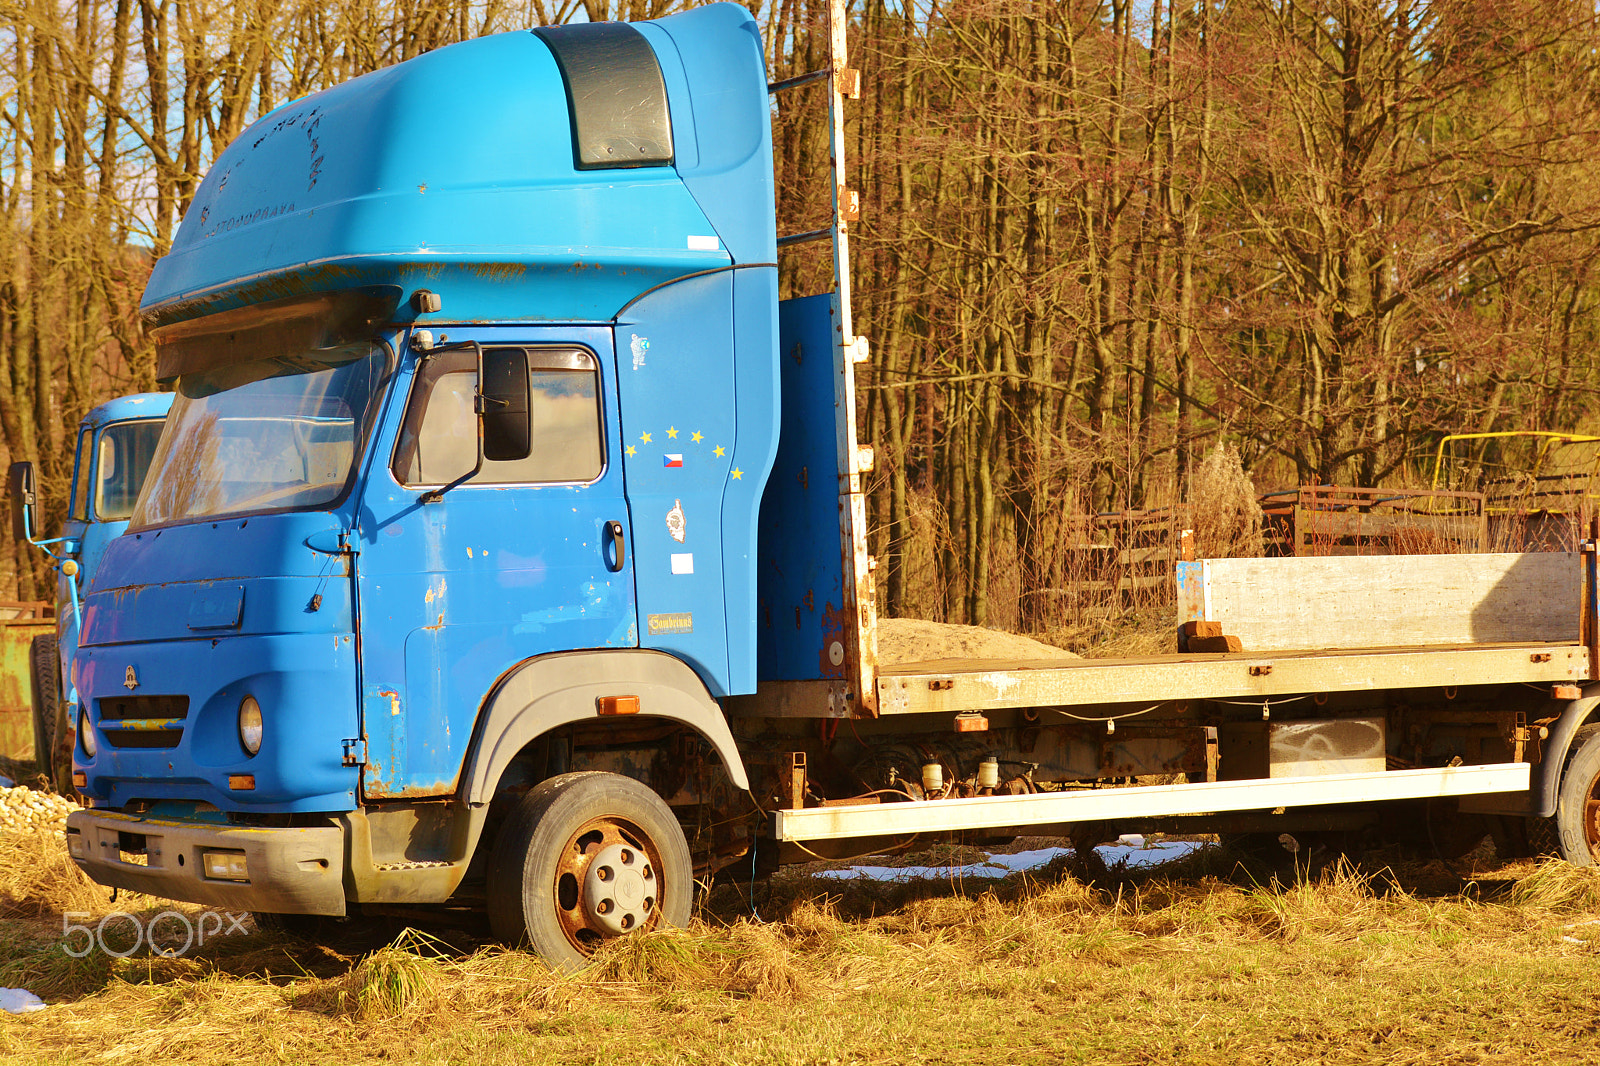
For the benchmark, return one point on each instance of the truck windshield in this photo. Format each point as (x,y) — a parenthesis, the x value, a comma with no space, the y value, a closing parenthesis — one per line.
(275,435)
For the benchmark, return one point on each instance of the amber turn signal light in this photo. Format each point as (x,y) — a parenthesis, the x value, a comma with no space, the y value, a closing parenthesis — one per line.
(617,705)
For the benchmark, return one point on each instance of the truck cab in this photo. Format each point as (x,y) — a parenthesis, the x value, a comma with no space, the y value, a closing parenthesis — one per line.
(475,370)
(114,446)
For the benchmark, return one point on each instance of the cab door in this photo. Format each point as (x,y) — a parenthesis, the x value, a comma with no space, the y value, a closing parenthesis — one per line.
(526,558)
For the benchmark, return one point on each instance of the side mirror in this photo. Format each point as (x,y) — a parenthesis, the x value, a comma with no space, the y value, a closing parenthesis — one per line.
(503,405)
(24,502)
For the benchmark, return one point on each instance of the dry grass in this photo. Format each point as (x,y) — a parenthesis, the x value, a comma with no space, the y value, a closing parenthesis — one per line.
(39,880)
(1338,965)
(1131,633)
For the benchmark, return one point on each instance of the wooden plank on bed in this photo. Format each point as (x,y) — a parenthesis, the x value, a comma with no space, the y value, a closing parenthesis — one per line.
(1385,600)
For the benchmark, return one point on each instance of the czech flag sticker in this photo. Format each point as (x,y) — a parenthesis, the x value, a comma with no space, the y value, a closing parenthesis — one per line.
(672,459)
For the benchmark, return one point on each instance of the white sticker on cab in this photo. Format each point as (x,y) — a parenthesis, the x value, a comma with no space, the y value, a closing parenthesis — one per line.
(698,243)
(683,562)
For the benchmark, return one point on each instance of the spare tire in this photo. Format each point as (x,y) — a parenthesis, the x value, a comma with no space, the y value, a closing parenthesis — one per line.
(44,675)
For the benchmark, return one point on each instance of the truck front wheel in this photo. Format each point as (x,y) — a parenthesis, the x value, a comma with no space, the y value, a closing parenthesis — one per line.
(1575,830)
(585,857)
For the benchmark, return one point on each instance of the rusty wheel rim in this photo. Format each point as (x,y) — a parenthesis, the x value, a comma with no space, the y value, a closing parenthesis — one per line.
(596,847)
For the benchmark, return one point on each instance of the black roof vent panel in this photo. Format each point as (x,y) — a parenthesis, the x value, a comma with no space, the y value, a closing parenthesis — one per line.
(616,97)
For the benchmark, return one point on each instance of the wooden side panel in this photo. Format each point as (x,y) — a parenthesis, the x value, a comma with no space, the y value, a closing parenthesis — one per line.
(1387,601)
(957,685)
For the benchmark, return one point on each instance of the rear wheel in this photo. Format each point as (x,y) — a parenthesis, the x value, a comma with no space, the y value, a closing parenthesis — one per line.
(583,858)
(44,673)
(1576,825)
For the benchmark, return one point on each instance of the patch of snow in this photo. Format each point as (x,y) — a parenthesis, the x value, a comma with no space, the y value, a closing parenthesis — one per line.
(1128,854)
(19,1001)
(1133,856)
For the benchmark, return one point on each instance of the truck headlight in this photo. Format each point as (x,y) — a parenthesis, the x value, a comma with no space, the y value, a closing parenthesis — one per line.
(250,725)
(85,731)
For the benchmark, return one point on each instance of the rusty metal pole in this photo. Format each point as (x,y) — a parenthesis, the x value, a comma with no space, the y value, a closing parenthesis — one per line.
(1589,625)
(855,654)
(859,647)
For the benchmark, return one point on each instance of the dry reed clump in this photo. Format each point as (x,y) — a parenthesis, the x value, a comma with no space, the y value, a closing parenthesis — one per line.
(1057,897)
(498,982)
(415,982)
(815,929)
(401,978)
(744,958)
(1336,905)
(1227,516)
(1558,888)
(936,914)
(816,924)
(761,960)
(662,957)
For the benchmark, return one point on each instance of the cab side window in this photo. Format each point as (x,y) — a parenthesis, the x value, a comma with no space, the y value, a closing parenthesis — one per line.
(439,438)
(80,476)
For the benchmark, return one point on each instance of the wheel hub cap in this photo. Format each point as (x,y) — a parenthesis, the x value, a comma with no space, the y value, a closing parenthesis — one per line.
(619,889)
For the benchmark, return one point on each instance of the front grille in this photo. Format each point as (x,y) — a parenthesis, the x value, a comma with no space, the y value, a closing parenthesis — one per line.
(122,708)
(143,721)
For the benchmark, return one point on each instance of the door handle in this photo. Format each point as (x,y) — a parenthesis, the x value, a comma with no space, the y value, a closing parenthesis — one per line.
(618,546)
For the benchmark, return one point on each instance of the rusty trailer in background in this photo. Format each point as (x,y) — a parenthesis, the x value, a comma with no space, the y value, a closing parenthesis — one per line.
(20,623)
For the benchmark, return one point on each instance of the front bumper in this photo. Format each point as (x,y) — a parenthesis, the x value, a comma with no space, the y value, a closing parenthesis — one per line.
(291,871)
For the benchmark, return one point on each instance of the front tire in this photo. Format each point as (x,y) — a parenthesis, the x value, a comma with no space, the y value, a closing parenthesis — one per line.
(584,858)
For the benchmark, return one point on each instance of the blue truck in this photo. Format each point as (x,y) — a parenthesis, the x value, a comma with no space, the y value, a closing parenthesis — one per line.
(114,446)
(504,552)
